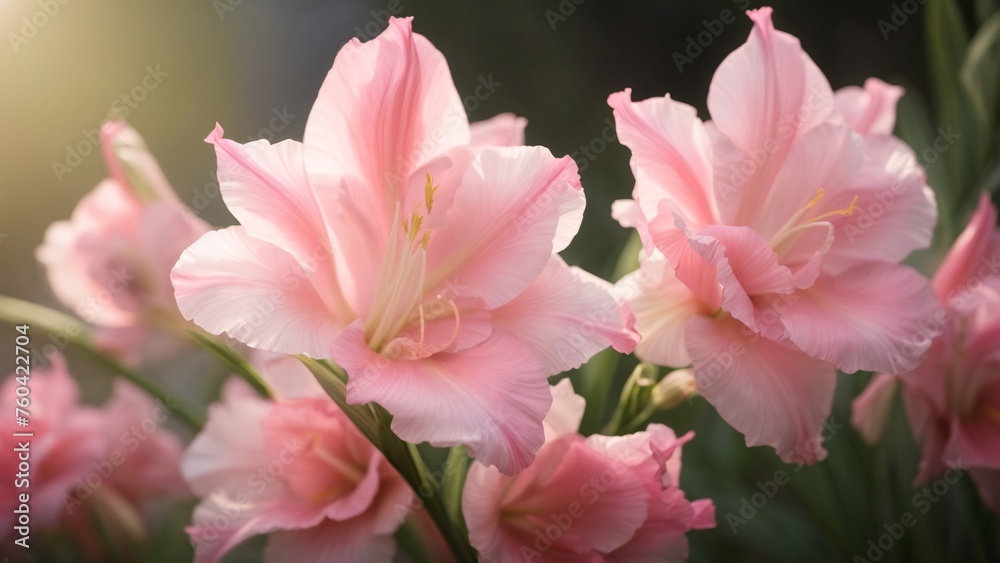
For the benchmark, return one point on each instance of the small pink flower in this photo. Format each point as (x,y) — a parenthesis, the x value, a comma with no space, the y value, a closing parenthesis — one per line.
(600,498)
(110,263)
(772,238)
(397,242)
(953,397)
(297,470)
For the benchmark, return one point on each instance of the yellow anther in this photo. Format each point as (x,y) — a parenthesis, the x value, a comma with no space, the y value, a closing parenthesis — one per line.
(815,200)
(426,240)
(846,212)
(429,190)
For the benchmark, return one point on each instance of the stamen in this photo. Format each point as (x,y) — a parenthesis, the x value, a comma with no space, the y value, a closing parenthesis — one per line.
(423,323)
(429,190)
(458,321)
(846,212)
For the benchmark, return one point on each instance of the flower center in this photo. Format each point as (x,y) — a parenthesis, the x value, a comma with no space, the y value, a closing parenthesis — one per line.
(796,224)
(400,293)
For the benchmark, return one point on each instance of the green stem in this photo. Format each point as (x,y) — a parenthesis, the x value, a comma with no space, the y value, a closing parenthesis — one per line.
(234,361)
(374,422)
(16,311)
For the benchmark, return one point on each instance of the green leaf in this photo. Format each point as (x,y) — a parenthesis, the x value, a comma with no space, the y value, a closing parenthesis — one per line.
(947,41)
(984,10)
(455,469)
(980,75)
(236,362)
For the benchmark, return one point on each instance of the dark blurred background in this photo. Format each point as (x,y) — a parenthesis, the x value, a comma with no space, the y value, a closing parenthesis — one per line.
(255,67)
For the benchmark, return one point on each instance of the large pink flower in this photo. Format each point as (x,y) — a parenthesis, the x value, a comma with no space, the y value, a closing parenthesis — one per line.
(396,242)
(297,470)
(773,235)
(600,498)
(953,397)
(110,263)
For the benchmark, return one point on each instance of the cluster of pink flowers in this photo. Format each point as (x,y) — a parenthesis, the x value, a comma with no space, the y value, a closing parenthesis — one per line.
(420,254)
(88,467)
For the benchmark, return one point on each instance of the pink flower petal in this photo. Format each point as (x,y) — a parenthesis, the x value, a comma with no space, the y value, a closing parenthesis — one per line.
(871,409)
(567,315)
(662,306)
(874,316)
(774,395)
(386,108)
(869,110)
(491,397)
(517,206)
(976,247)
(671,157)
(763,97)
(504,130)
(230,282)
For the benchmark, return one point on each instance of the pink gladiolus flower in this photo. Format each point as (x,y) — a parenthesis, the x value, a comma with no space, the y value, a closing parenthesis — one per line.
(953,398)
(600,498)
(114,462)
(395,241)
(773,235)
(110,263)
(297,470)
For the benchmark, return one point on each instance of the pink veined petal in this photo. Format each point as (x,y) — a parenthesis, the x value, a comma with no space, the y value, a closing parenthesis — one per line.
(386,108)
(869,110)
(663,536)
(351,540)
(566,412)
(745,266)
(491,398)
(815,176)
(286,375)
(896,210)
(516,207)
(503,130)
(874,316)
(234,426)
(567,315)
(221,521)
(662,306)
(871,409)
(268,191)
(673,239)
(704,514)
(976,247)
(775,395)
(671,155)
(763,96)
(252,290)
